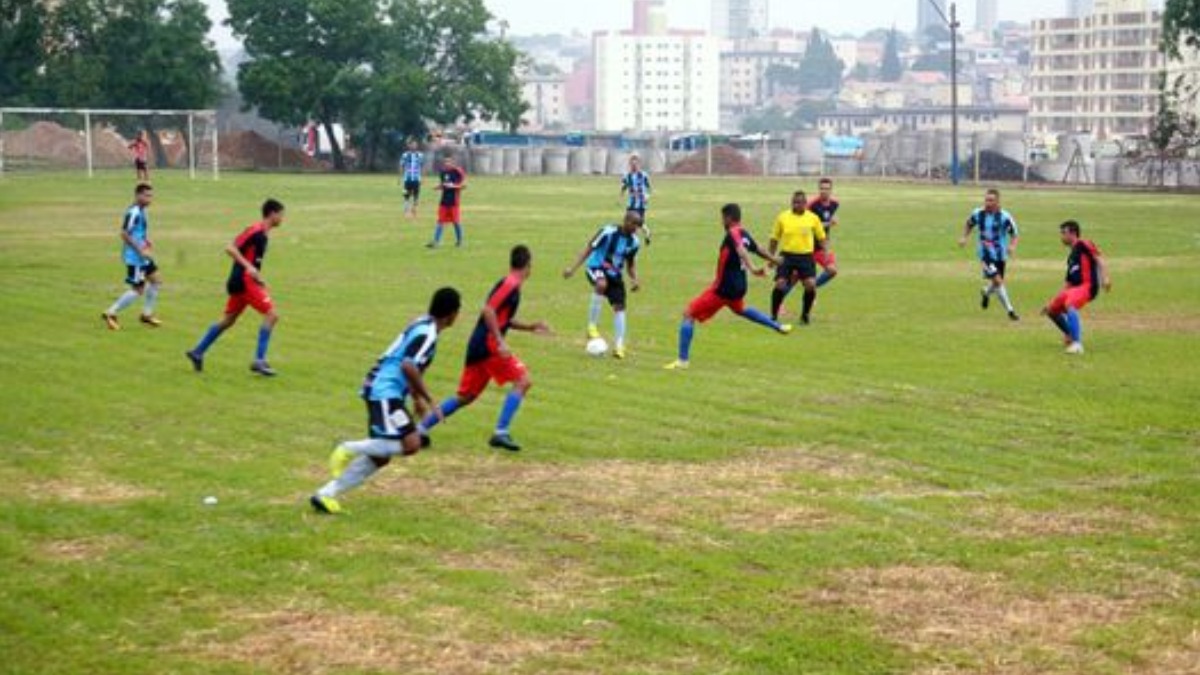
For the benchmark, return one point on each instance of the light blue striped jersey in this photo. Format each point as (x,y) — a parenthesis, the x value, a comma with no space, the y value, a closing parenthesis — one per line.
(611,247)
(418,343)
(138,229)
(411,164)
(995,231)
(637,186)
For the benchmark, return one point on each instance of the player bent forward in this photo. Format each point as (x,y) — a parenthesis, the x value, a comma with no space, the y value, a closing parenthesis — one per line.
(613,248)
(1086,273)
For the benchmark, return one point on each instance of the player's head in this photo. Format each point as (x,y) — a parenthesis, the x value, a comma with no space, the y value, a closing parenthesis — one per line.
(412,144)
(448,162)
(143,194)
(635,162)
(991,199)
(731,214)
(633,220)
(444,306)
(520,259)
(825,188)
(1069,231)
(272,212)
(799,201)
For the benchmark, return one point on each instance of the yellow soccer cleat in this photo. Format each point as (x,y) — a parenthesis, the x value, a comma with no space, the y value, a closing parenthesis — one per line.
(619,353)
(785,329)
(593,331)
(676,365)
(339,459)
(325,505)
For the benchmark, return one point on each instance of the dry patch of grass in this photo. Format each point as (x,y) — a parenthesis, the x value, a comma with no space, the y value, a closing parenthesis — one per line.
(1003,521)
(89,490)
(957,621)
(1145,323)
(81,550)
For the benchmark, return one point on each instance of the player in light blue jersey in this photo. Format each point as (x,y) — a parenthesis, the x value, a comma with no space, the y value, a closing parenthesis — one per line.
(140,271)
(391,429)
(614,248)
(412,163)
(635,187)
(998,236)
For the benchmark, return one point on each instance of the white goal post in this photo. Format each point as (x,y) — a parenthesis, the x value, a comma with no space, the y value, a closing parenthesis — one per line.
(195,147)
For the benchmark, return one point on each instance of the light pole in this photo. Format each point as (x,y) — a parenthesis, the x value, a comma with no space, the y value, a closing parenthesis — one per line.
(952,24)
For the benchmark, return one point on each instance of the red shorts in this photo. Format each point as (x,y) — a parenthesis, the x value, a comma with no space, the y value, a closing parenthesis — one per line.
(255,296)
(449,214)
(1071,296)
(825,257)
(475,376)
(708,303)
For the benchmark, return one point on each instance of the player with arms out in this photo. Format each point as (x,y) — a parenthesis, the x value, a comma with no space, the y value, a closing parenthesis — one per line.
(1086,274)
(412,161)
(612,249)
(998,236)
(825,205)
(140,271)
(729,288)
(796,234)
(140,147)
(391,430)
(246,287)
(453,182)
(635,187)
(488,355)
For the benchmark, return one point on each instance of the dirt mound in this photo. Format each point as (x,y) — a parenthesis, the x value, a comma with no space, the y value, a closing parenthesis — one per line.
(250,150)
(47,141)
(726,161)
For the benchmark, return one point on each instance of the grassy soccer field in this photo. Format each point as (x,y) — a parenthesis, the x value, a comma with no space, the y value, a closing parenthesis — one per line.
(907,485)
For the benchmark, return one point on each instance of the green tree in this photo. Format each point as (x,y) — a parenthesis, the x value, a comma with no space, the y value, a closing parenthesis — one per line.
(891,70)
(821,69)
(22,23)
(1176,126)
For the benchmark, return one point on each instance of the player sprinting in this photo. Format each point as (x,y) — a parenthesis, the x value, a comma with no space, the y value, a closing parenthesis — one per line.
(796,234)
(825,205)
(729,288)
(141,273)
(411,164)
(398,374)
(140,147)
(246,287)
(998,237)
(635,187)
(613,248)
(1086,274)
(488,355)
(453,182)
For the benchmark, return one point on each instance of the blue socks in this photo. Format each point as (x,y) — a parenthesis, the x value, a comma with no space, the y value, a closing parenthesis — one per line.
(512,403)
(457,234)
(1061,321)
(448,407)
(823,278)
(1075,326)
(437,233)
(687,330)
(760,318)
(264,341)
(214,332)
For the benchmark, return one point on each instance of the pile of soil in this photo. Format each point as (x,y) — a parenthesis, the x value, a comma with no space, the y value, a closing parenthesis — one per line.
(46,141)
(726,161)
(251,150)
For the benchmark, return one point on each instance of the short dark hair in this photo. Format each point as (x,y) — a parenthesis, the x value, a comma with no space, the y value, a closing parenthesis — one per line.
(520,257)
(271,206)
(994,192)
(826,180)
(800,194)
(732,212)
(446,301)
(634,217)
(1070,226)
(142,188)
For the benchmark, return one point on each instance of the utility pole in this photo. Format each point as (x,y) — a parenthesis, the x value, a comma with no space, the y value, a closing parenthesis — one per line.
(953,25)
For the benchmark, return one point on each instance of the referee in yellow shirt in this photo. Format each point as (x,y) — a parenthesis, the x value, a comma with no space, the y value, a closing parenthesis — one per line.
(796,235)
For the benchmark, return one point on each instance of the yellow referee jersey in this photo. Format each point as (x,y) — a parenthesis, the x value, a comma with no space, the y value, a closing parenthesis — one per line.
(797,234)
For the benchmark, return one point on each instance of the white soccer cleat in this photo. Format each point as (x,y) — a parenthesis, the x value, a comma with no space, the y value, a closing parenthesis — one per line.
(1075,348)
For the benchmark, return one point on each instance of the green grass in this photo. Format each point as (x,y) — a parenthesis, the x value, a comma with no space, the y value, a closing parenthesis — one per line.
(909,484)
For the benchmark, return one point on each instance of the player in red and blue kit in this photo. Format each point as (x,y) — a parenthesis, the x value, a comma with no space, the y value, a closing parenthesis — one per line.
(729,288)
(1086,274)
(453,182)
(825,206)
(488,355)
(246,288)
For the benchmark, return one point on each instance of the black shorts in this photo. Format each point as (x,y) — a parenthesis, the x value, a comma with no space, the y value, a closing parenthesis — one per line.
(136,275)
(389,419)
(796,266)
(412,189)
(993,268)
(614,291)
(139,164)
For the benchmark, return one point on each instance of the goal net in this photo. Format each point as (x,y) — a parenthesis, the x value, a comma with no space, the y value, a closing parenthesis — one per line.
(60,139)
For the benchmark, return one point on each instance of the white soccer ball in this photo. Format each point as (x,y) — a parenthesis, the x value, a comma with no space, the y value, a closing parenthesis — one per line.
(597,347)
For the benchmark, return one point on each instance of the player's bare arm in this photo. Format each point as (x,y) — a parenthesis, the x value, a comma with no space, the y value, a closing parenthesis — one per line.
(246,264)
(493,325)
(744,256)
(537,327)
(422,399)
(634,283)
(970,225)
(1105,280)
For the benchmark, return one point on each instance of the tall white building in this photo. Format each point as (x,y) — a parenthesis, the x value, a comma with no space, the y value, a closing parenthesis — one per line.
(986,15)
(740,19)
(658,82)
(546,96)
(928,16)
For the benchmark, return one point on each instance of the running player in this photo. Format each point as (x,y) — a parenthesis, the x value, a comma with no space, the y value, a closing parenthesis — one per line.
(391,431)
(825,206)
(453,182)
(246,287)
(796,234)
(488,355)
(635,187)
(411,164)
(140,147)
(613,248)
(140,271)
(1086,273)
(997,242)
(729,288)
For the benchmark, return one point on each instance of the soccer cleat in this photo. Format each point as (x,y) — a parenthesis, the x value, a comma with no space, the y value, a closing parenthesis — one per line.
(426,441)
(1013,316)
(1075,348)
(432,244)
(339,459)
(804,320)
(676,365)
(619,352)
(504,441)
(197,360)
(983,299)
(325,505)
(262,368)
(110,320)
(785,328)
(593,332)
(151,320)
